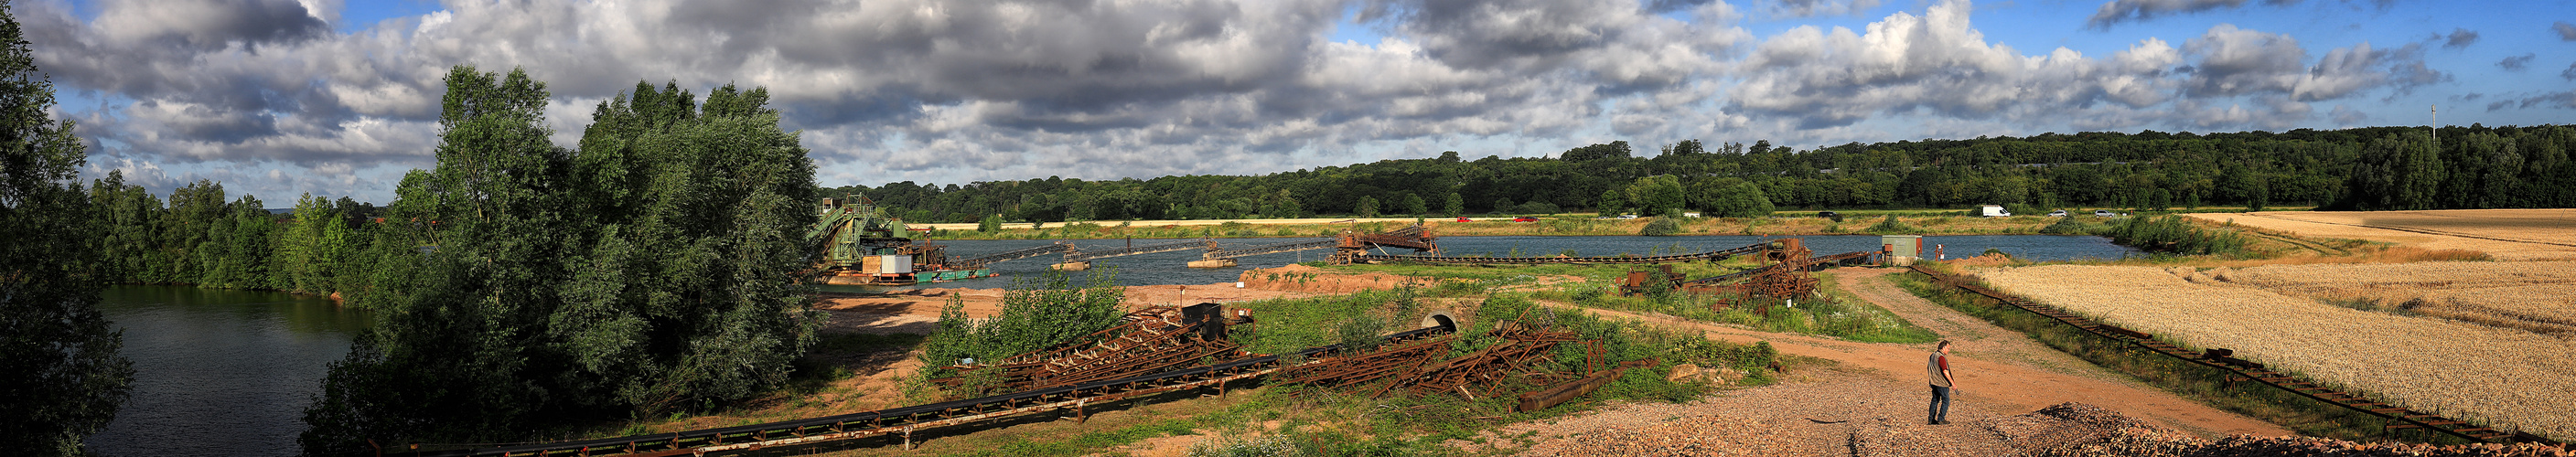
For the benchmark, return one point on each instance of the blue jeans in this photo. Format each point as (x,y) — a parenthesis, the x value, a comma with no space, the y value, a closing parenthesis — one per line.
(1940,403)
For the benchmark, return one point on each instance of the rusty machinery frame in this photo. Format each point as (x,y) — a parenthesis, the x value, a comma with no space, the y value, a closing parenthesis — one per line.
(1786,276)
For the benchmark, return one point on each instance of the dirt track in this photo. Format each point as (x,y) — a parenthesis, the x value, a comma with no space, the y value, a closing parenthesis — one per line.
(1998,369)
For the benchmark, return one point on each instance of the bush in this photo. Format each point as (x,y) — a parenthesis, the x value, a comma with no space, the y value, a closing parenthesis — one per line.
(2170,234)
(1661,226)
(1891,226)
(1048,312)
(2069,226)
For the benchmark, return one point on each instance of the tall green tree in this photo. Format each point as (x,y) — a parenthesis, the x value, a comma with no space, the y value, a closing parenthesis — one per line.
(1367,207)
(1731,198)
(655,269)
(61,378)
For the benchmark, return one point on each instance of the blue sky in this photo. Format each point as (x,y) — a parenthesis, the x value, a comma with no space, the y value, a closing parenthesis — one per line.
(282,97)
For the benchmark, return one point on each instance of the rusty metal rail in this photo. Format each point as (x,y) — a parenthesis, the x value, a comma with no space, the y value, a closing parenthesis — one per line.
(999,257)
(2240,369)
(906,421)
(1078,255)
(1836,260)
(1326,243)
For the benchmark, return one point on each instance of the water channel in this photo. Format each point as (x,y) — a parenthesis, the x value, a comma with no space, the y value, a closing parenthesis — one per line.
(221,372)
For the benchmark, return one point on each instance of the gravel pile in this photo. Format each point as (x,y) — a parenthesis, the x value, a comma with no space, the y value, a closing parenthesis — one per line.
(1689,436)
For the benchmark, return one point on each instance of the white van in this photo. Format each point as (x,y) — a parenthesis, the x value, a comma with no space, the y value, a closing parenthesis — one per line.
(1993,211)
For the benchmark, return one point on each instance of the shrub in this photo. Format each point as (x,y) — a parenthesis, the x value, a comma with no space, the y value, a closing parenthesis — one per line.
(1661,226)
(2170,234)
(1891,226)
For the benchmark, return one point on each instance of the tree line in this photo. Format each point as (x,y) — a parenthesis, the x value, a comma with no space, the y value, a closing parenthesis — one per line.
(2359,168)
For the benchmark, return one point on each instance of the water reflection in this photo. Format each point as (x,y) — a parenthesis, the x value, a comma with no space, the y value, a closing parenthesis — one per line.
(220,372)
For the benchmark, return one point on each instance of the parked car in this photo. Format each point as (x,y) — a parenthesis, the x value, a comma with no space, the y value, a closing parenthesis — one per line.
(1837,217)
(1627,216)
(1524,219)
(2105,213)
(2057,213)
(1462,219)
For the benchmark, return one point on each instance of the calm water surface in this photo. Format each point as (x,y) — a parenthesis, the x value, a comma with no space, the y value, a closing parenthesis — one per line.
(220,372)
(1169,268)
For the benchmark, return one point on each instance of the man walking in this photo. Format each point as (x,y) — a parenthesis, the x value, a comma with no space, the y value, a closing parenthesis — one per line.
(1939,367)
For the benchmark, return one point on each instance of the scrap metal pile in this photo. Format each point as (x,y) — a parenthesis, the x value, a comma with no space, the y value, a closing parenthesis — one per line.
(1785,277)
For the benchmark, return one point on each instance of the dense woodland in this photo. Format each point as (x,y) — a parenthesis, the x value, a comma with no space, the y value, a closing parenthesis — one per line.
(2363,168)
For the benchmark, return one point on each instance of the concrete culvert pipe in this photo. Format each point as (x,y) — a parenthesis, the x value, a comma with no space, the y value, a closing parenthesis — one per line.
(1440,319)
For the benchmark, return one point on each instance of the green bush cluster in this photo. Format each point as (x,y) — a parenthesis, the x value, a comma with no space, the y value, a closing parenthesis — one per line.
(1049,311)
(2172,235)
(1891,226)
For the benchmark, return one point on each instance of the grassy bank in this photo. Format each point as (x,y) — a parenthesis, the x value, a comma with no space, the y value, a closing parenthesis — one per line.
(2200,383)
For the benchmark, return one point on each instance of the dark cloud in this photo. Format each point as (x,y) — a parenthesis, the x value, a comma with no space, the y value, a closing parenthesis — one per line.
(2118,11)
(1807,8)
(2558,100)
(2566,31)
(2459,38)
(2516,63)
(2570,73)
(2237,61)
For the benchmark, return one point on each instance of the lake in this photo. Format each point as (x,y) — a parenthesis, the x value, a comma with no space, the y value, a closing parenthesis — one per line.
(220,372)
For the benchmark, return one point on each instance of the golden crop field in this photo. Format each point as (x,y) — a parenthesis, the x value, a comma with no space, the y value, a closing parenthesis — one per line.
(2506,234)
(2504,378)
(2540,293)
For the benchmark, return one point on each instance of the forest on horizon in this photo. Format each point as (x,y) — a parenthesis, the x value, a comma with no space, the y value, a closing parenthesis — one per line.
(2368,168)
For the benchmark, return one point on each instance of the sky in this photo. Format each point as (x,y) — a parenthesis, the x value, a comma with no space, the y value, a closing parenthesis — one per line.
(279,98)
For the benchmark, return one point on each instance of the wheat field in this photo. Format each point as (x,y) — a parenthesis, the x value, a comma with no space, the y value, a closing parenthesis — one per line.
(2505,378)
(2540,293)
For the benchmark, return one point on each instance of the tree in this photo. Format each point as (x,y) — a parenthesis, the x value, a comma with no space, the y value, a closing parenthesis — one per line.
(1367,207)
(1413,204)
(1732,198)
(1611,203)
(61,378)
(657,269)
(1654,195)
(1453,205)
